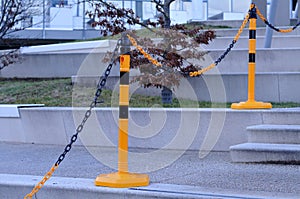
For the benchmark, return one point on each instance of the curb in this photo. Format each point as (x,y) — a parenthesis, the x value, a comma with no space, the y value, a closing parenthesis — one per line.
(17,186)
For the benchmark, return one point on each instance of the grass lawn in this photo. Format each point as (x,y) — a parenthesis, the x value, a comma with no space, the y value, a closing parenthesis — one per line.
(60,92)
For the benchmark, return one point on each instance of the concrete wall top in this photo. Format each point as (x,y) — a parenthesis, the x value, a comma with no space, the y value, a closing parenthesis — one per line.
(75,47)
(12,110)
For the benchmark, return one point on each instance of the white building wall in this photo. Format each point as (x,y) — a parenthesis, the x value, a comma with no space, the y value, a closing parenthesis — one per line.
(61,18)
(70,16)
(197,10)
(240,6)
(149,10)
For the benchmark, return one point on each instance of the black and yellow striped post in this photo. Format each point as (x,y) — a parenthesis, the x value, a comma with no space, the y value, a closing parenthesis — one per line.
(251,103)
(123,178)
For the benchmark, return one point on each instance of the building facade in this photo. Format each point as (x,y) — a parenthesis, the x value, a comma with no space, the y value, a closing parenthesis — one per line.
(70,14)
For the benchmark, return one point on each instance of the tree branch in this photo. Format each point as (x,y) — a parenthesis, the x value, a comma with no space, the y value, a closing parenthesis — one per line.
(123,11)
(8,58)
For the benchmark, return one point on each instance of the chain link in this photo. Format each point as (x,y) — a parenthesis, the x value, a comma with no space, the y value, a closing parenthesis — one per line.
(236,38)
(101,83)
(261,16)
(199,72)
(146,55)
(42,182)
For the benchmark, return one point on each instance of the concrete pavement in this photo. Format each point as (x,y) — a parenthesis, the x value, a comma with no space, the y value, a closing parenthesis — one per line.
(213,176)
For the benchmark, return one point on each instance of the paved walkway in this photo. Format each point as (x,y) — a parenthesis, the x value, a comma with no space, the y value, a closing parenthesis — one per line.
(212,174)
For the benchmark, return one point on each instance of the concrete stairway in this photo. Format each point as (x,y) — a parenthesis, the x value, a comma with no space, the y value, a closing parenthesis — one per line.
(270,144)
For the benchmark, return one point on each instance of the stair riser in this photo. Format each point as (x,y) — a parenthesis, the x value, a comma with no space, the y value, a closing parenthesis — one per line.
(291,118)
(265,156)
(259,32)
(277,42)
(274,137)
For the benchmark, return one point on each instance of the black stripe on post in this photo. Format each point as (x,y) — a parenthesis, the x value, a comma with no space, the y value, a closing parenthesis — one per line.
(123,112)
(252,34)
(252,57)
(124,78)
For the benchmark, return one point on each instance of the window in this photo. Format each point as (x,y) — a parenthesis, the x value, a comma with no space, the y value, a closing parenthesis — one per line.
(59,3)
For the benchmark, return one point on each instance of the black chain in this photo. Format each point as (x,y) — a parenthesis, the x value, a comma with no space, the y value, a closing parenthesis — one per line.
(252,13)
(225,53)
(271,26)
(101,83)
(277,29)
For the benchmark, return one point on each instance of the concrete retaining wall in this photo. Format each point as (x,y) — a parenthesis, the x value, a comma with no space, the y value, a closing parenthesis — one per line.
(69,64)
(182,129)
(278,70)
(54,65)
(271,87)
(60,60)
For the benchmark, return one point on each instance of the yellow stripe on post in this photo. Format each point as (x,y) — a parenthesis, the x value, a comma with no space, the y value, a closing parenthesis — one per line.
(123,145)
(251,82)
(124,95)
(252,46)
(252,24)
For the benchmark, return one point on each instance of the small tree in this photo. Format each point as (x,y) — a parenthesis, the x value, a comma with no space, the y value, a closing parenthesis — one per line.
(13,14)
(176,51)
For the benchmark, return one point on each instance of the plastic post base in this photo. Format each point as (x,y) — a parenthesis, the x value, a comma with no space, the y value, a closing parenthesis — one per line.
(122,180)
(251,105)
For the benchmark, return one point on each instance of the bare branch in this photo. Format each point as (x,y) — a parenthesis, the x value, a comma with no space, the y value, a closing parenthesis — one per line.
(117,16)
(164,9)
(9,57)
(14,12)
(158,3)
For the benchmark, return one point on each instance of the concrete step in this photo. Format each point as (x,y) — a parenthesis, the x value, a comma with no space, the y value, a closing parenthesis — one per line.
(234,24)
(266,153)
(260,31)
(274,134)
(280,41)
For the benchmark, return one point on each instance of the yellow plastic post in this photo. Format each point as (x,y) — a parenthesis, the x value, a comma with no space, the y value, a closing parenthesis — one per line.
(251,103)
(122,178)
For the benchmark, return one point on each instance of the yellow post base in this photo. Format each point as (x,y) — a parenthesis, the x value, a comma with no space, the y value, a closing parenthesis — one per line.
(122,180)
(251,105)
